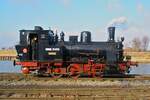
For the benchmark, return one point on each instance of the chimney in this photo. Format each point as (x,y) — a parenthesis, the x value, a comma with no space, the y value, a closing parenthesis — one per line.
(111,31)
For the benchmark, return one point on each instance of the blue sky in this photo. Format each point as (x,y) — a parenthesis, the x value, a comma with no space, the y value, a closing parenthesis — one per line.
(74,16)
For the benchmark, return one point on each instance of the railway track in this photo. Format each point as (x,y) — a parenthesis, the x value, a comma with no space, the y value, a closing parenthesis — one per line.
(77,94)
(19,77)
(15,86)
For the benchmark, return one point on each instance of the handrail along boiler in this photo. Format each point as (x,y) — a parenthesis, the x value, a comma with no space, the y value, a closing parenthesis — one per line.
(44,52)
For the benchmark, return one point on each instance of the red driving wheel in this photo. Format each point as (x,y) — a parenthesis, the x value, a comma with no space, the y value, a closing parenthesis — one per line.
(74,70)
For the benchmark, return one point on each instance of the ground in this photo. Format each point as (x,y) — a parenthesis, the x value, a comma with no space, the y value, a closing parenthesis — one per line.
(19,86)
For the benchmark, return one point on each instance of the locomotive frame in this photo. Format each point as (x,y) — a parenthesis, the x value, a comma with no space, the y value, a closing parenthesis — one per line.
(42,52)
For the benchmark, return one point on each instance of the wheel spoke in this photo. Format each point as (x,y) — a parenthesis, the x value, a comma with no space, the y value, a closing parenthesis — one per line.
(56,73)
(74,72)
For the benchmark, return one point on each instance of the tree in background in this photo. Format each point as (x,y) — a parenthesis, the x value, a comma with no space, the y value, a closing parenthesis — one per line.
(145,43)
(136,44)
(140,45)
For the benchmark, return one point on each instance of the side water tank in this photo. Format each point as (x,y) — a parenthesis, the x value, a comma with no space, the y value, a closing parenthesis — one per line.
(85,37)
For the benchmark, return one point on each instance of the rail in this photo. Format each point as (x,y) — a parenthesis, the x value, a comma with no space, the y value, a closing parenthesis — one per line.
(76,94)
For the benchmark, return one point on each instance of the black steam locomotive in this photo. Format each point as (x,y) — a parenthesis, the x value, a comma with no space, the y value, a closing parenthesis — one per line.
(44,52)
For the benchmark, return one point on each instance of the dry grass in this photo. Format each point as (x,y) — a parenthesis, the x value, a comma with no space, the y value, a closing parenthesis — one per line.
(8,53)
(141,57)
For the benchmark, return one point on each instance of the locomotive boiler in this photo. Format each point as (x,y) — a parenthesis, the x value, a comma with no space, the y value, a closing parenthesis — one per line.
(45,52)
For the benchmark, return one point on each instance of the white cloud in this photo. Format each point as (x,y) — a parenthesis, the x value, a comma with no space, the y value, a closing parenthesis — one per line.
(120,22)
